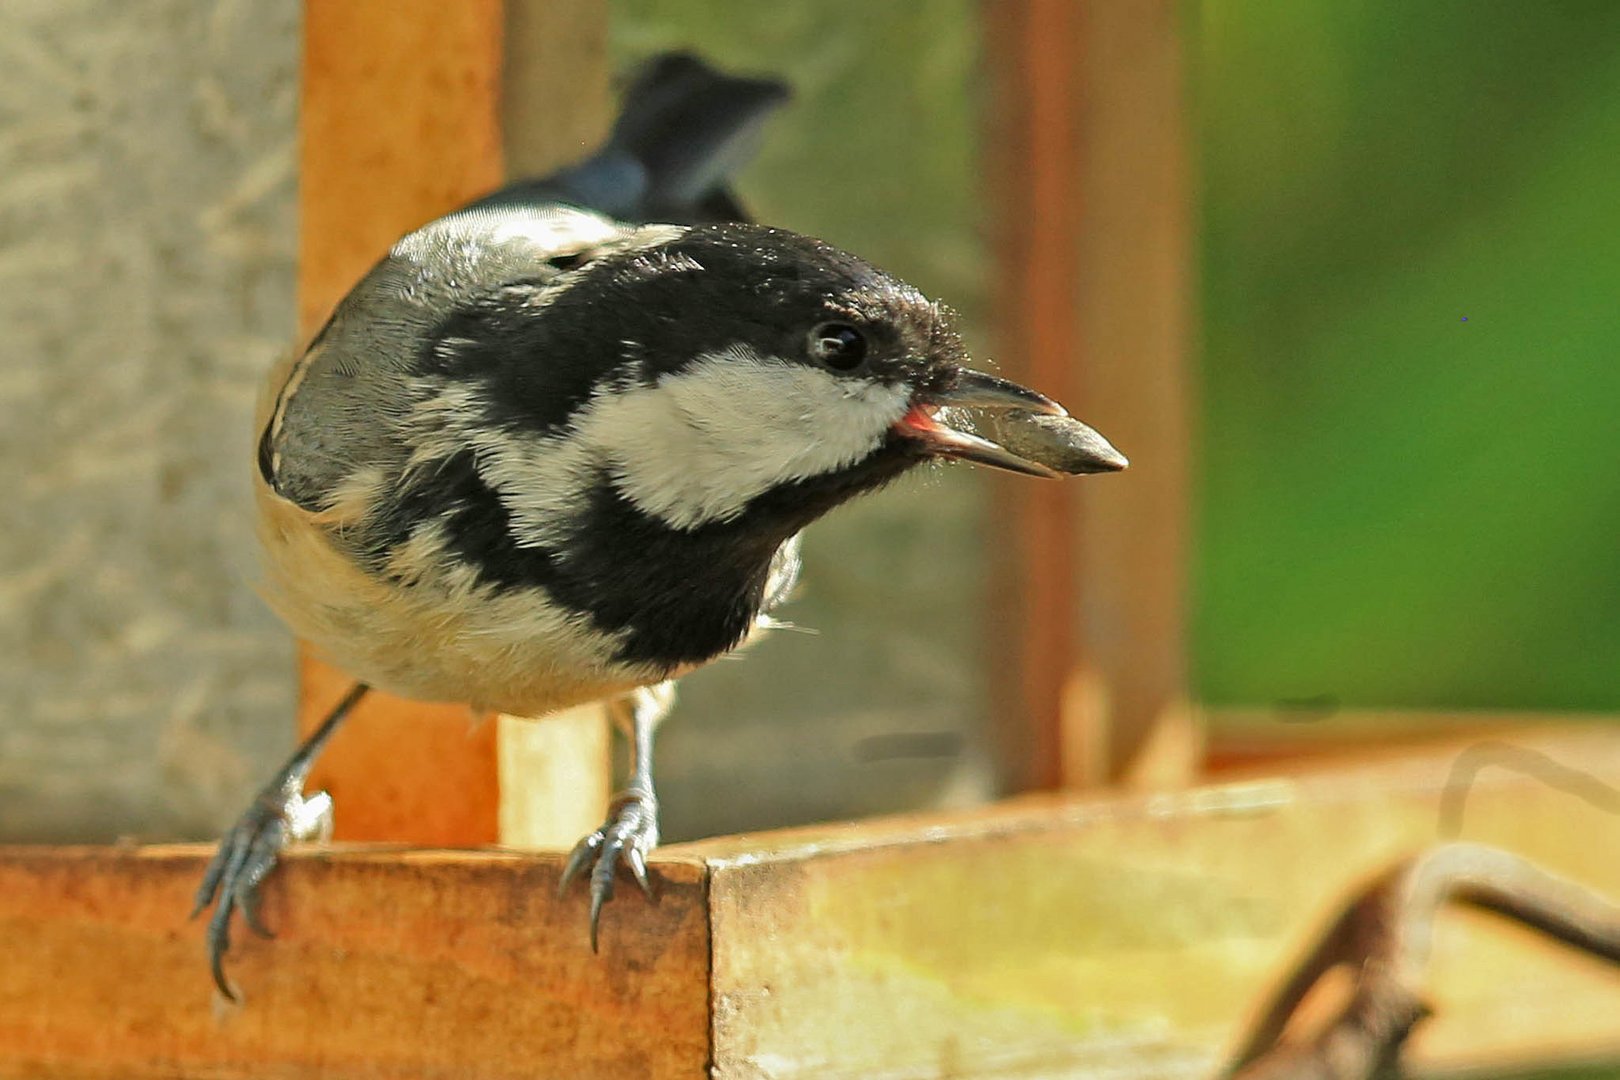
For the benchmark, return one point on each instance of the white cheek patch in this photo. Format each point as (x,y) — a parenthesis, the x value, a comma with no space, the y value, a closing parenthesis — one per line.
(693,449)
(703,442)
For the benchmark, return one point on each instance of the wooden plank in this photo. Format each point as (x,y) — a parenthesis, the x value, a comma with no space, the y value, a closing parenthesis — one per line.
(1128,716)
(1032,157)
(1132,937)
(557,101)
(1052,935)
(402,121)
(1087,143)
(385,964)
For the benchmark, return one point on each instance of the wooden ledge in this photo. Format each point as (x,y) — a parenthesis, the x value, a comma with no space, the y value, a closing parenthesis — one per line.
(1039,936)
(386,963)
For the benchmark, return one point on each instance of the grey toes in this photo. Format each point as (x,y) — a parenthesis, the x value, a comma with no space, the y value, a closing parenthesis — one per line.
(629,833)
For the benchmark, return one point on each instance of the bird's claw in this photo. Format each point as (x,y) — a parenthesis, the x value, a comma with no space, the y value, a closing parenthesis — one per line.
(246,855)
(630,831)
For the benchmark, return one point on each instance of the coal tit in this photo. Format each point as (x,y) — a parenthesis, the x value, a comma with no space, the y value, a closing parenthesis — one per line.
(558,447)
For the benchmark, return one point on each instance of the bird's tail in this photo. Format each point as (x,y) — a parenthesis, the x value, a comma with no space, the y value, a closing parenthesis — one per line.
(684,130)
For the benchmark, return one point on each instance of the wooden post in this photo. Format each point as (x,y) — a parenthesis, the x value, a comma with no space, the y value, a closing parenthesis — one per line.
(403,108)
(1089,164)
(1031,156)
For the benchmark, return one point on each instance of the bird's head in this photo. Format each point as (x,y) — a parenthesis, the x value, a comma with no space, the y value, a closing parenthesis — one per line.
(729,370)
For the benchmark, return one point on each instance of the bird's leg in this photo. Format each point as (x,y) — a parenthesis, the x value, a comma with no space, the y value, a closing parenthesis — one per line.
(631,828)
(279,815)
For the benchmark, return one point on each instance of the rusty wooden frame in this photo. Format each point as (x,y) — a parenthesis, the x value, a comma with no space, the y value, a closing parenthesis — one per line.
(1058,932)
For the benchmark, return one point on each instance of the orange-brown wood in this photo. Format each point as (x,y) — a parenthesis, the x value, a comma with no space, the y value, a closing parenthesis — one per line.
(409,110)
(400,123)
(1088,159)
(1054,935)
(386,964)
(1032,160)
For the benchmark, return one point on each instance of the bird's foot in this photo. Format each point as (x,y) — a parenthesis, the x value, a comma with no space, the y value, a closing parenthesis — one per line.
(246,855)
(629,833)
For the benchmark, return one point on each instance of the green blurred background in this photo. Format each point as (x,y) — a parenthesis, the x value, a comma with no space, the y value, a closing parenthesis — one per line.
(1410,266)
(1409,238)
(1410,258)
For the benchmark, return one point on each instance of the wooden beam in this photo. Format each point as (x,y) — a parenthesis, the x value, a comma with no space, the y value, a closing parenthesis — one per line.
(400,122)
(1087,151)
(1031,155)
(404,110)
(1136,937)
(1053,935)
(1128,715)
(386,964)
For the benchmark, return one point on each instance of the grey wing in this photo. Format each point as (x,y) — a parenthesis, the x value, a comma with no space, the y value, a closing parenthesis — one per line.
(332,414)
(342,411)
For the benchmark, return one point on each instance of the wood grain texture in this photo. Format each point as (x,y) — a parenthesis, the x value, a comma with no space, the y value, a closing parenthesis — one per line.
(405,114)
(1132,937)
(400,122)
(1052,935)
(554,776)
(385,964)
(1089,178)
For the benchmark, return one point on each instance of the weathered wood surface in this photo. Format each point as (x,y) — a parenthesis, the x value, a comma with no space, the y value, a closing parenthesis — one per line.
(1133,937)
(386,963)
(1127,716)
(1032,162)
(400,121)
(1050,936)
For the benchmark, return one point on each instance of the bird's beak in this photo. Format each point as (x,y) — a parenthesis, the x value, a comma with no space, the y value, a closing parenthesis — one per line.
(1030,433)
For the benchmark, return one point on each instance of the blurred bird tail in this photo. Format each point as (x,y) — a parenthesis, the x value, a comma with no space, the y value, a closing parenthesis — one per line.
(684,130)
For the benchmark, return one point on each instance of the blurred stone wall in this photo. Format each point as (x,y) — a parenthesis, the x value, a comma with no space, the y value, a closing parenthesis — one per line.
(147,242)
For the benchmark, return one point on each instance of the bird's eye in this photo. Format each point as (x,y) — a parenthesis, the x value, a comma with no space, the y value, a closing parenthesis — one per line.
(838,345)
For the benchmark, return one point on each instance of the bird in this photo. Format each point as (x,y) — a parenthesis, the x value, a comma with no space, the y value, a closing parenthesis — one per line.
(559,445)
